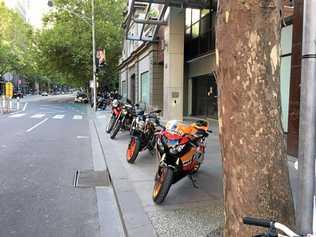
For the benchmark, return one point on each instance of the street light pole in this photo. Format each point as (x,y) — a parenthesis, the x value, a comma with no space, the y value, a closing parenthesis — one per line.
(93,59)
(307,137)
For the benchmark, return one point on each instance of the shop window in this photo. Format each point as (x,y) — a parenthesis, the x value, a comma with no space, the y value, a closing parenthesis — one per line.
(144,87)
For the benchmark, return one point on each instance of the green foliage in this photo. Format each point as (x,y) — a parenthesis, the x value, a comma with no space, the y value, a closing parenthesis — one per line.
(15,43)
(66,40)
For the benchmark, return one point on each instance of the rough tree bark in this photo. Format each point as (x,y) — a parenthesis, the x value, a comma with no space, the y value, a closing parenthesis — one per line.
(256,178)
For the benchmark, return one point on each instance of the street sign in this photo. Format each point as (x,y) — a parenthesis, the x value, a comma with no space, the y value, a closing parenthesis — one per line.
(9,89)
(101,57)
(92,84)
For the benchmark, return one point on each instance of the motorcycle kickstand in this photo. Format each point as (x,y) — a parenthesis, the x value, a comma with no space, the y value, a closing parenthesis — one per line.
(194,181)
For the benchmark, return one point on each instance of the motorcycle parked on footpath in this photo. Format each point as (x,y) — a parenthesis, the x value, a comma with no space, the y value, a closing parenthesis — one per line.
(180,149)
(116,110)
(124,118)
(143,134)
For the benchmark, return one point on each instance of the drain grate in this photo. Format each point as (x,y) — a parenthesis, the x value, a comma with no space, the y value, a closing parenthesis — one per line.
(91,178)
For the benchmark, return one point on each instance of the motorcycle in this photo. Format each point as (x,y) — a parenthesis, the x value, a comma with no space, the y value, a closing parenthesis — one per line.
(101,102)
(123,119)
(143,135)
(180,149)
(116,110)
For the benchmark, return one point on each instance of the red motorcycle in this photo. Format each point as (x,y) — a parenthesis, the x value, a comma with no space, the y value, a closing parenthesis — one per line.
(116,111)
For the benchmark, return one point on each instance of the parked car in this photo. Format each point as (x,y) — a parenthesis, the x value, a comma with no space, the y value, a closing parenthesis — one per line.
(44,93)
(81,98)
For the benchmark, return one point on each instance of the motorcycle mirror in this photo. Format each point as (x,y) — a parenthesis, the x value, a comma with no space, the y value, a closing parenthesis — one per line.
(158,111)
(209,131)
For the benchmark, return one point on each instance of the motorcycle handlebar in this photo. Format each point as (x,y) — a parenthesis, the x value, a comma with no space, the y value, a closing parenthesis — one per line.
(258,222)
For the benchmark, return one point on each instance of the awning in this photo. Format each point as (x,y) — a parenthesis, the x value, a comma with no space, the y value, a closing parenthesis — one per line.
(144,17)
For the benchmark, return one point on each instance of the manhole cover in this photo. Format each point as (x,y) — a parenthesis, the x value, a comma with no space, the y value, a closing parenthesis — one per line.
(91,178)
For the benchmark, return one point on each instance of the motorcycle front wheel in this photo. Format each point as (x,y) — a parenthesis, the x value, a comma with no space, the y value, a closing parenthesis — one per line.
(133,150)
(163,181)
(116,129)
(111,123)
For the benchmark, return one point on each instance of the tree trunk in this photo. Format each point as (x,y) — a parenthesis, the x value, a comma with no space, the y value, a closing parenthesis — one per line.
(256,178)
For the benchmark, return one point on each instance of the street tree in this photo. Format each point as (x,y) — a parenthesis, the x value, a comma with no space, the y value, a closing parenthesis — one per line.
(16,43)
(256,177)
(65,41)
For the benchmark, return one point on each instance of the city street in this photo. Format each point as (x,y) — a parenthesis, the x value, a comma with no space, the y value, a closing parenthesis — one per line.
(41,148)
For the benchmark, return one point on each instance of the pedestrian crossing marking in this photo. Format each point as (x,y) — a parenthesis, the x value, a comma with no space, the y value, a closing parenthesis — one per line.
(77,117)
(41,115)
(59,116)
(17,115)
(38,116)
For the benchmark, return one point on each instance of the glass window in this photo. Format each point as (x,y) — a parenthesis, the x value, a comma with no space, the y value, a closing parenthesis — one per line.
(145,87)
(124,89)
(205,25)
(188,19)
(195,15)
(195,30)
(204,12)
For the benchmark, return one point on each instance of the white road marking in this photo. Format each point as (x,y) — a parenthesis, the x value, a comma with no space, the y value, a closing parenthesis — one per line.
(24,107)
(77,117)
(101,116)
(36,125)
(38,116)
(82,137)
(59,116)
(17,115)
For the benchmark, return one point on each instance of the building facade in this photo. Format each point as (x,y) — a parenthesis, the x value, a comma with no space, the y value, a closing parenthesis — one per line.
(175,71)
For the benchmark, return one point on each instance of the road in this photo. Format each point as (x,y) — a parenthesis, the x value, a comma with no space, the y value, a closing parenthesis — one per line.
(40,149)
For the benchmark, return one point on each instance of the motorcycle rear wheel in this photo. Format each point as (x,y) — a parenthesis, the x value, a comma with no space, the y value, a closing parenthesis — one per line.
(163,182)
(133,150)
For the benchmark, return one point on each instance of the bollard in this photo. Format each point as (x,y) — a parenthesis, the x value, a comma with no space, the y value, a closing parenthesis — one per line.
(10,104)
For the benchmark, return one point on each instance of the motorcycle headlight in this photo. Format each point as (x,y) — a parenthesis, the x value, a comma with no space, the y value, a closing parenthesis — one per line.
(115,103)
(176,149)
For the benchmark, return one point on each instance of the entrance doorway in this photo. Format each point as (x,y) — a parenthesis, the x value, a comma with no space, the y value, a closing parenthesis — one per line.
(204,96)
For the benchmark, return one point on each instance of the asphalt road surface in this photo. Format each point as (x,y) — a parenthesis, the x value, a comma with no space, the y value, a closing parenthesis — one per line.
(40,149)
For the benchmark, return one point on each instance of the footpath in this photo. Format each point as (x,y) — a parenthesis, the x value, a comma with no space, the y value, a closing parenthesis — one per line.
(187,211)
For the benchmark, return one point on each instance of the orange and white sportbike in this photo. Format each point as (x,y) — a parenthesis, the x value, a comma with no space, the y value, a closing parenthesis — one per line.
(180,149)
